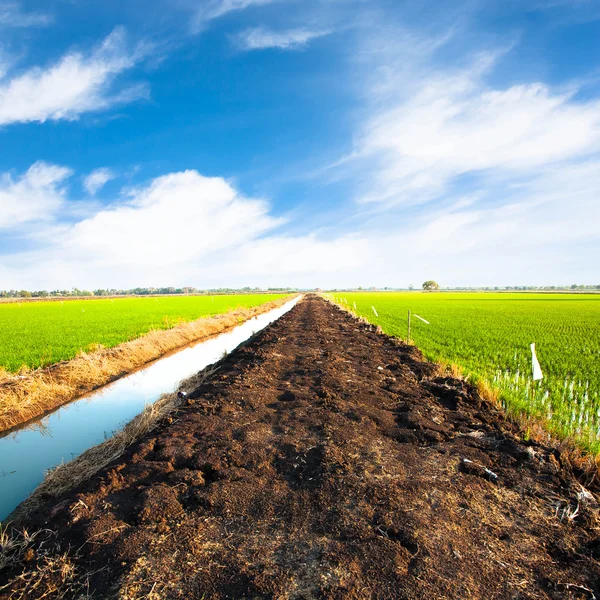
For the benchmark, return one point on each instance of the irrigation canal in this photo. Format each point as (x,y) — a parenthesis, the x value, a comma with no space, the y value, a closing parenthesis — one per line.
(27,453)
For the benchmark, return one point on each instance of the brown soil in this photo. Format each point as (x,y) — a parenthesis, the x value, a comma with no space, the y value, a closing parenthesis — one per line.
(30,395)
(322,460)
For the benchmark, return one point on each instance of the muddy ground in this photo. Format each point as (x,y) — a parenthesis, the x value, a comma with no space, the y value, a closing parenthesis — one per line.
(322,460)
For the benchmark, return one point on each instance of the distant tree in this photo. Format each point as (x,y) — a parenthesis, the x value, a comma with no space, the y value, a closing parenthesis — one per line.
(431,286)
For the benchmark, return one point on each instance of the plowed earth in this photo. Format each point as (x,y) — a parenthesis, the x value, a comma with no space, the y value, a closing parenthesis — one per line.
(323,460)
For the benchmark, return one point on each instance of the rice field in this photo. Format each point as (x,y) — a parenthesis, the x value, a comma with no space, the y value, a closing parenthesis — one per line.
(489,336)
(37,334)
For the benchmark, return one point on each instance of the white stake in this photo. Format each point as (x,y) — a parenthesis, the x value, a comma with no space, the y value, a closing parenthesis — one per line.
(374,311)
(537,370)
(422,319)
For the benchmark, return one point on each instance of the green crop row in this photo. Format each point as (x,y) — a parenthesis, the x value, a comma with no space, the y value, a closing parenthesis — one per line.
(37,334)
(489,336)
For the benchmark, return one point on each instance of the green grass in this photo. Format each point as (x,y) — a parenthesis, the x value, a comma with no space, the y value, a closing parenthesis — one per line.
(38,334)
(489,335)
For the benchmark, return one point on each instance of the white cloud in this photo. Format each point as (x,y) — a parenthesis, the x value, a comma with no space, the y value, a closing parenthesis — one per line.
(36,196)
(280,257)
(543,233)
(76,84)
(182,228)
(178,218)
(260,38)
(214,9)
(527,222)
(453,124)
(97,179)
(11,15)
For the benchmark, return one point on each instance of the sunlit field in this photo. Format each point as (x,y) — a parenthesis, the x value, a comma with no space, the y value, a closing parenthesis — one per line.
(37,334)
(489,336)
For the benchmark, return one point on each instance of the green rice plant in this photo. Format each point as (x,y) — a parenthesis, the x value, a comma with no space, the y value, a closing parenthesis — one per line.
(489,335)
(37,334)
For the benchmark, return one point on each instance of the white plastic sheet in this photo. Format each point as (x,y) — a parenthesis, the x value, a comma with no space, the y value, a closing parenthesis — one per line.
(537,370)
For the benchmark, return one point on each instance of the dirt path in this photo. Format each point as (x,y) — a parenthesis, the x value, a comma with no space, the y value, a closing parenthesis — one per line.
(323,460)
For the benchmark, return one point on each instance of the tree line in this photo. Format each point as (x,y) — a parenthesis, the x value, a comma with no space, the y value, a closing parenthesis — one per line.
(138,291)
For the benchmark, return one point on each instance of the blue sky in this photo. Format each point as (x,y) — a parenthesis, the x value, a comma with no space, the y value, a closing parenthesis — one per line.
(299,143)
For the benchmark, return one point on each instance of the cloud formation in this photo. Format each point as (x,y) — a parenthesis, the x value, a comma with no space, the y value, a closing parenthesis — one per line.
(181,228)
(97,179)
(76,84)
(11,15)
(177,218)
(537,230)
(260,38)
(213,9)
(184,228)
(453,124)
(37,195)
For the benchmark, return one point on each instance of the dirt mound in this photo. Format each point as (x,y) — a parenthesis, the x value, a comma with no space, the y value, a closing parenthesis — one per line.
(322,460)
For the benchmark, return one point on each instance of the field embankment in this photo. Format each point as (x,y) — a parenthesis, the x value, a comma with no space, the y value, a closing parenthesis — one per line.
(488,336)
(32,393)
(321,460)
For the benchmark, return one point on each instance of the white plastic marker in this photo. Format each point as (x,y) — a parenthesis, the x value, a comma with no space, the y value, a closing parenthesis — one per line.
(537,370)
(374,311)
(422,319)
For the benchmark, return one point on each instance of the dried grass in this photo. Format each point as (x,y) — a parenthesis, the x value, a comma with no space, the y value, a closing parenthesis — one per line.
(5,375)
(30,394)
(14,545)
(52,576)
(44,575)
(486,391)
